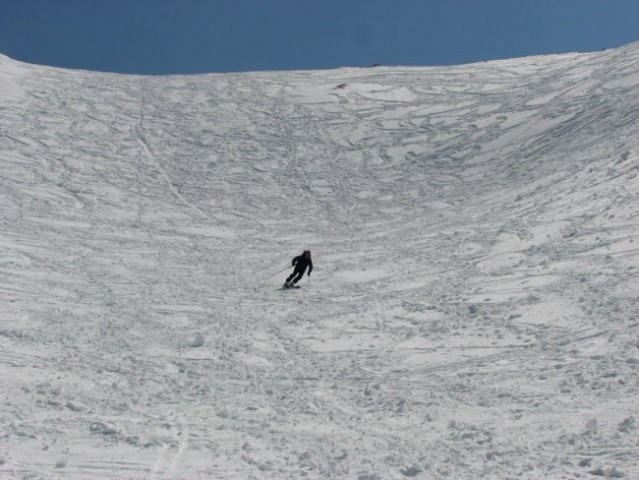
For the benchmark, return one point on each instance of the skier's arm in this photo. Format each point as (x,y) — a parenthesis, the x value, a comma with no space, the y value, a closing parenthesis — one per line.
(295,259)
(310,267)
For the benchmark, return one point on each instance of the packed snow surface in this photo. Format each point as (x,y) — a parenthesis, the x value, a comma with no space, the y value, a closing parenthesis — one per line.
(473,310)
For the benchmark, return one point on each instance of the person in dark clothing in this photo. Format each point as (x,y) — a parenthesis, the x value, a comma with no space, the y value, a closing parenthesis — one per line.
(300,263)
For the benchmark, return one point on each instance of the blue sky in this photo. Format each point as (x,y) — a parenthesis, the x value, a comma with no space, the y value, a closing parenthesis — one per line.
(195,36)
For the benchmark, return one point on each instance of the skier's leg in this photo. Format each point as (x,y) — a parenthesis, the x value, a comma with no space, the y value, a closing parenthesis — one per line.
(293,278)
(300,274)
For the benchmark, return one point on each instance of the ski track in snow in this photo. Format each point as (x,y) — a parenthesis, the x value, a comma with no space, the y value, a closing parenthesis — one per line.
(473,310)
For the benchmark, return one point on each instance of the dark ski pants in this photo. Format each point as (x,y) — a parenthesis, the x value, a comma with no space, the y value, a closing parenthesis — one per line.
(299,273)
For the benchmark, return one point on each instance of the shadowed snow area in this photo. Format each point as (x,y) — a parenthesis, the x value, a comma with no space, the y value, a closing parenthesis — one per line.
(473,310)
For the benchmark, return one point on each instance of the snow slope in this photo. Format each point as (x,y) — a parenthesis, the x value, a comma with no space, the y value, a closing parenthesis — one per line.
(473,310)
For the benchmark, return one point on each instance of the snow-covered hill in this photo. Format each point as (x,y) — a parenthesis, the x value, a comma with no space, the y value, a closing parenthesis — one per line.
(473,310)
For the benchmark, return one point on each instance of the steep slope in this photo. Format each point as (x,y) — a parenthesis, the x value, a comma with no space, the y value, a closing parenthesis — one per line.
(472,313)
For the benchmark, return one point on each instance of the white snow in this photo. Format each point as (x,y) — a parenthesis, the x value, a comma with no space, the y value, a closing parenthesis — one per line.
(473,311)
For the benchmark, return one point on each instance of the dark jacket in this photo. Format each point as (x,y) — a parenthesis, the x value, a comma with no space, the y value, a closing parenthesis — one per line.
(300,263)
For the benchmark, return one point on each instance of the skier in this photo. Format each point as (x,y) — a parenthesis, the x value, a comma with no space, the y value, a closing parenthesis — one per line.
(300,263)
